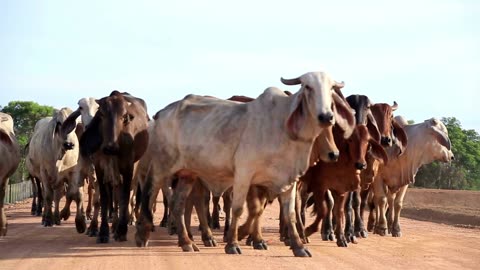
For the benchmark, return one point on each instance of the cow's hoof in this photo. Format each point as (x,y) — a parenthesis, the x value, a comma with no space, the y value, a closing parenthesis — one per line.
(80,224)
(362,233)
(103,239)
(164,223)
(380,231)
(286,241)
(249,240)
(92,232)
(342,241)
(370,227)
(120,237)
(305,240)
(396,233)
(216,225)
(351,238)
(38,213)
(64,214)
(140,241)
(209,242)
(328,237)
(301,252)
(47,223)
(232,249)
(260,245)
(190,247)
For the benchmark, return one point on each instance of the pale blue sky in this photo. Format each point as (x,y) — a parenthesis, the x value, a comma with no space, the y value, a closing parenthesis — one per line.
(423,54)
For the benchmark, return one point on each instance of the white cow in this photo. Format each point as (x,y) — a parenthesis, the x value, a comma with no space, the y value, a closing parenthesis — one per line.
(427,142)
(266,142)
(52,157)
(10,158)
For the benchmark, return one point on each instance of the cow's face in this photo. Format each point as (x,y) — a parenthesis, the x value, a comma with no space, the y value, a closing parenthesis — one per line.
(358,146)
(63,141)
(319,102)
(115,118)
(383,114)
(88,107)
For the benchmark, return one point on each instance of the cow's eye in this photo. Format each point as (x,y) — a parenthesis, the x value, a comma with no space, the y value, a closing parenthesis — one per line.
(126,119)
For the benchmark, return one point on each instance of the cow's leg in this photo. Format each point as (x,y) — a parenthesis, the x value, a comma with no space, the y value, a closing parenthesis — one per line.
(145,220)
(93,228)
(188,214)
(40,201)
(391,210)
(105,197)
(164,222)
(48,215)
(216,212)
(202,209)
(90,191)
(372,215)
(227,208)
(257,238)
(65,213)
(349,230)
(287,199)
(80,220)
(320,198)
(3,216)
(182,191)
(256,200)
(396,232)
(380,200)
(240,190)
(359,227)
(327,223)
(34,196)
(57,195)
(361,198)
(339,215)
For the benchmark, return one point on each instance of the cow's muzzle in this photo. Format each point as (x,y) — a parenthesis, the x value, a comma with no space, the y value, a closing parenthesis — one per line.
(326,118)
(386,141)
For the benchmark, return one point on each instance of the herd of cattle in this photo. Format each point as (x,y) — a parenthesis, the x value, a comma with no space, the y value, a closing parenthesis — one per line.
(314,147)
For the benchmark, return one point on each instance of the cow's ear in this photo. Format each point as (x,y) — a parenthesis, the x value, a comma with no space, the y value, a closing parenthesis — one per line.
(296,119)
(372,126)
(378,152)
(92,138)
(344,114)
(400,134)
(70,123)
(5,138)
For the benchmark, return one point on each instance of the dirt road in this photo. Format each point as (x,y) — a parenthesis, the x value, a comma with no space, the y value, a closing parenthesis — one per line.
(424,245)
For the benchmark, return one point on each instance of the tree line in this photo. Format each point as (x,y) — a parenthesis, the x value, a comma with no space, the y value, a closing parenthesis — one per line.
(462,173)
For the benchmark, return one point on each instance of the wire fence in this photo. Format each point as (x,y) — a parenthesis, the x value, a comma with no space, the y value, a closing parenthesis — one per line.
(19,191)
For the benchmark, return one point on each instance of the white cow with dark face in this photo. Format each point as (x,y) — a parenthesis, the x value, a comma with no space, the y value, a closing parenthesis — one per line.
(427,142)
(265,142)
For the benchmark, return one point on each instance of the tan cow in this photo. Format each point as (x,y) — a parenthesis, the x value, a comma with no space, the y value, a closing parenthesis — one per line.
(10,153)
(266,142)
(427,142)
(52,157)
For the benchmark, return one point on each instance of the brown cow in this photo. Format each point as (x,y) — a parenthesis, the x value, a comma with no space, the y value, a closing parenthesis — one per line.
(116,139)
(340,177)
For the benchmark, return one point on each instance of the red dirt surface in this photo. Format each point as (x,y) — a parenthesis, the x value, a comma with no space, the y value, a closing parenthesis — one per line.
(424,245)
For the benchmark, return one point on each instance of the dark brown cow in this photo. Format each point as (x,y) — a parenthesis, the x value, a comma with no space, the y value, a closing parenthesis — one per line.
(116,138)
(340,177)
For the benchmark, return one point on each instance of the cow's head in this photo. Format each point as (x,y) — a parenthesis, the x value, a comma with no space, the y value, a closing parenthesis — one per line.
(363,114)
(390,131)
(319,102)
(439,142)
(6,129)
(360,143)
(63,140)
(116,115)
